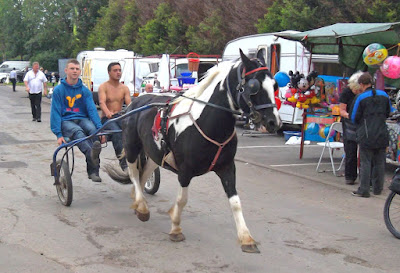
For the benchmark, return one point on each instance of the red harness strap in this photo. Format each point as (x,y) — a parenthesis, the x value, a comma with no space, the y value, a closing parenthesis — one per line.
(220,145)
(255,70)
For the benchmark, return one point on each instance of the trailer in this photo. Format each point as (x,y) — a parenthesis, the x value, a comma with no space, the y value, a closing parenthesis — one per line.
(94,66)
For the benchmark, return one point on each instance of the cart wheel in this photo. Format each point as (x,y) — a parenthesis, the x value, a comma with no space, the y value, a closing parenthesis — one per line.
(153,183)
(64,189)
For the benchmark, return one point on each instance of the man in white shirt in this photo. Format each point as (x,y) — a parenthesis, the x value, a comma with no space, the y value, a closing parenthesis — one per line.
(35,81)
(13,77)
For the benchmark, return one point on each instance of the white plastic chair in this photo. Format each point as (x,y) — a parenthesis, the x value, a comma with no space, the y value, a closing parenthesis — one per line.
(332,145)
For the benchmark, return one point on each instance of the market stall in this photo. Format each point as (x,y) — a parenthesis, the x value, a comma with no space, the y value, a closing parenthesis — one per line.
(349,41)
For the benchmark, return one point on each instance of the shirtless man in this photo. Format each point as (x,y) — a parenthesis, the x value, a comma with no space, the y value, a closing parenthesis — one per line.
(112,95)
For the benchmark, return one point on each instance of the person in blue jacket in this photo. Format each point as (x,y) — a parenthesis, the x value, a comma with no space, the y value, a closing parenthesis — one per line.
(74,115)
(371,108)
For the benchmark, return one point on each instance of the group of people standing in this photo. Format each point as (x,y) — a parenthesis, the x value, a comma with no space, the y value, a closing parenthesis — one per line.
(364,111)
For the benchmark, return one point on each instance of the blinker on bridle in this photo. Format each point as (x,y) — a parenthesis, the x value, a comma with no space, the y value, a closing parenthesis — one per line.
(246,89)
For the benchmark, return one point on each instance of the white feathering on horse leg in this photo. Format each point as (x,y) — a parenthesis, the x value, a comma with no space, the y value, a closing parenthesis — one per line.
(242,230)
(147,171)
(139,203)
(176,211)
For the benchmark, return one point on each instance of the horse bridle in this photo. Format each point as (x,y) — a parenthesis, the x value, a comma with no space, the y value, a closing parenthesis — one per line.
(253,87)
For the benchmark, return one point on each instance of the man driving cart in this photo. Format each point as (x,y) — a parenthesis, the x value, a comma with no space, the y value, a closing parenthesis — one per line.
(74,116)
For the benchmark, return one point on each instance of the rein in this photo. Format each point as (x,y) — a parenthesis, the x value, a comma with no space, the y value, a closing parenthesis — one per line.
(213,105)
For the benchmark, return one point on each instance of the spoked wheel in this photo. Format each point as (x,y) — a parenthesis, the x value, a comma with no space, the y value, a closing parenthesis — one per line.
(64,189)
(391,214)
(153,183)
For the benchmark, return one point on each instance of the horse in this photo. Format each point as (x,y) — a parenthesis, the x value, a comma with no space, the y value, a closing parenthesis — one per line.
(197,135)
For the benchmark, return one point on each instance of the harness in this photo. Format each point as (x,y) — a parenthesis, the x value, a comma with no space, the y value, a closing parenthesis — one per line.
(160,125)
(246,90)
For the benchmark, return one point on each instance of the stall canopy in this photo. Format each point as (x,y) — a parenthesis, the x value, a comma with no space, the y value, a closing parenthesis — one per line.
(348,40)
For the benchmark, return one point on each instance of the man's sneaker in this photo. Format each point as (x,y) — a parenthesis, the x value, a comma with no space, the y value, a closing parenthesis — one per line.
(95,177)
(33,119)
(39,120)
(96,149)
(359,194)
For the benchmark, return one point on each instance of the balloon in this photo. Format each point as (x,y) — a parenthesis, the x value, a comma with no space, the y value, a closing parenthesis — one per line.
(322,131)
(312,128)
(374,54)
(326,131)
(391,67)
(282,79)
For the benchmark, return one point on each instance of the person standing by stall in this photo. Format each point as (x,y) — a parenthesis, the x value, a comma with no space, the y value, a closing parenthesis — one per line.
(349,129)
(370,110)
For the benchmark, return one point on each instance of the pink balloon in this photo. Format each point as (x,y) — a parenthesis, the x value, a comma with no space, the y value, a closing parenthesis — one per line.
(391,67)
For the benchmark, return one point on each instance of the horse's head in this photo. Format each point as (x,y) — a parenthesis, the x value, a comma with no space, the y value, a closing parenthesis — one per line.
(252,88)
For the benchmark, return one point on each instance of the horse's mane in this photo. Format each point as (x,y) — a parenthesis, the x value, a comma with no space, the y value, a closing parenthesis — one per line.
(213,76)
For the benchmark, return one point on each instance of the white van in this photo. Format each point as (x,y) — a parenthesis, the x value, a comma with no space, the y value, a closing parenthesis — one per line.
(7,66)
(94,65)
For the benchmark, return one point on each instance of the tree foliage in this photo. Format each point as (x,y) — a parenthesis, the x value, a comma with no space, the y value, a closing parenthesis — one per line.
(164,33)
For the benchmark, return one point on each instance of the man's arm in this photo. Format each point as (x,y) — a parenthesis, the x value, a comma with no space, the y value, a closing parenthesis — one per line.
(26,83)
(127,96)
(102,101)
(45,88)
(55,118)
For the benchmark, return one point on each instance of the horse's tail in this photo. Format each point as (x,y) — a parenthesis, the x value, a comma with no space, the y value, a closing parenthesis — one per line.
(116,173)
(122,176)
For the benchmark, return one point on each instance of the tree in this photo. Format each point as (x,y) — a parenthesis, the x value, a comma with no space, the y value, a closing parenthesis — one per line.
(383,11)
(129,29)
(108,26)
(285,14)
(12,32)
(164,33)
(209,36)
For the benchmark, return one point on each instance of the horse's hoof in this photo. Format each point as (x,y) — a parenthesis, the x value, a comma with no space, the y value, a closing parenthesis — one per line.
(177,237)
(142,216)
(250,249)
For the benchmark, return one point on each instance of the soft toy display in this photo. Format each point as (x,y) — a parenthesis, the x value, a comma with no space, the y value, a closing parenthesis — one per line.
(301,91)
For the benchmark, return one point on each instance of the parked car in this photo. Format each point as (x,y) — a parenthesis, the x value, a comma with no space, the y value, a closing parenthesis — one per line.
(21,74)
(3,77)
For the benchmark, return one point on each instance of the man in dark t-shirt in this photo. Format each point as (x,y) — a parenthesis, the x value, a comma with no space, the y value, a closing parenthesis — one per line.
(349,134)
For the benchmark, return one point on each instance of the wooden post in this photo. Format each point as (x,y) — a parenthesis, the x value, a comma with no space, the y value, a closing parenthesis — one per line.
(303,125)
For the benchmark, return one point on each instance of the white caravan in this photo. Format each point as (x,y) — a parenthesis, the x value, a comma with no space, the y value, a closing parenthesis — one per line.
(94,65)
(283,55)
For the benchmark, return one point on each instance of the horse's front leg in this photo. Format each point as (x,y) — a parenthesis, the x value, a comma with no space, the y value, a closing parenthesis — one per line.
(139,202)
(175,213)
(228,179)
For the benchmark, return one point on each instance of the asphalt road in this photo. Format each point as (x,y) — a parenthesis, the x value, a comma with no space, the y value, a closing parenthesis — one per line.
(303,221)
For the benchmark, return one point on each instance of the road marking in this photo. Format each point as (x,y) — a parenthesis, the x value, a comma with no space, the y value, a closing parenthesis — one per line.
(300,164)
(278,146)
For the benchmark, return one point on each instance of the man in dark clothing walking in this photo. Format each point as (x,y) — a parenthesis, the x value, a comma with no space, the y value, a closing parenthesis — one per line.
(370,110)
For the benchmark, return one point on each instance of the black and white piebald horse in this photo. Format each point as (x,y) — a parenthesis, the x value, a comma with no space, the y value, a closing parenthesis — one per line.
(199,135)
